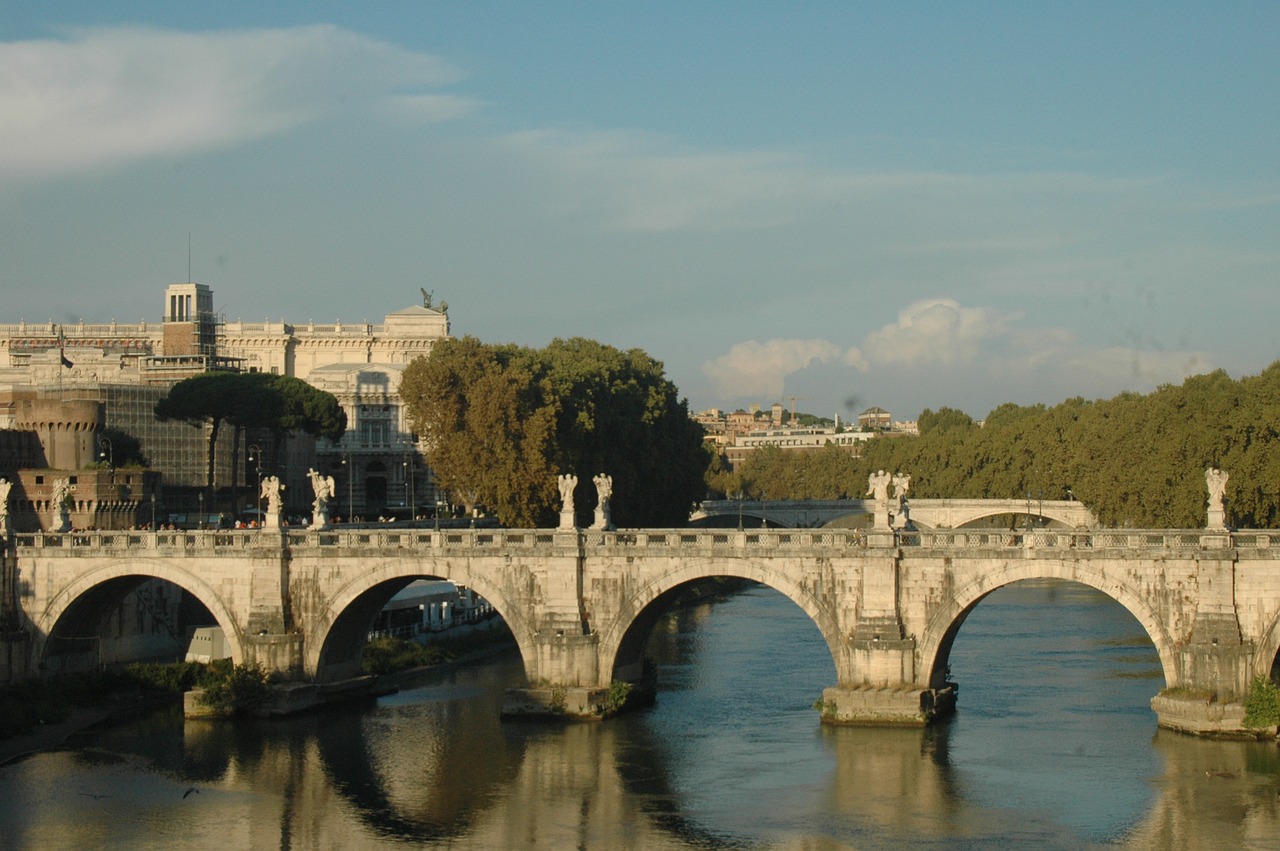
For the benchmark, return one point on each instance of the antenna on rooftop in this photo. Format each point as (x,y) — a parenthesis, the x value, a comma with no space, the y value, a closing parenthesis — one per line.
(188,257)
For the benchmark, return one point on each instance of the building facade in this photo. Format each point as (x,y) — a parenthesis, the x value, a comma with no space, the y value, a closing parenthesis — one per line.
(126,368)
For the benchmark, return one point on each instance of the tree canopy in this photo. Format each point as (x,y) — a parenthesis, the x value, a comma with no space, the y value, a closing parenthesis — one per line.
(500,422)
(1136,460)
(251,400)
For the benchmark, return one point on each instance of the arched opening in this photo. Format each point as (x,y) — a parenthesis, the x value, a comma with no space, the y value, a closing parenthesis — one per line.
(126,619)
(420,608)
(759,620)
(737,666)
(1053,672)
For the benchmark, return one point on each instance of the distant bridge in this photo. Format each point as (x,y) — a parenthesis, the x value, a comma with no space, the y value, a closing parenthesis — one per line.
(928,513)
(581,604)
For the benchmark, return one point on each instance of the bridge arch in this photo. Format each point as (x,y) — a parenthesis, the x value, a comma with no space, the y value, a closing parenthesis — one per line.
(1267,662)
(83,598)
(334,642)
(622,641)
(945,624)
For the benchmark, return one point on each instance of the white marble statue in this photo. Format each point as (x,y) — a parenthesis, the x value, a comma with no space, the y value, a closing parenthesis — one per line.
(271,488)
(604,493)
(1216,481)
(566,482)
(323,487)
(59,514)
(878,487)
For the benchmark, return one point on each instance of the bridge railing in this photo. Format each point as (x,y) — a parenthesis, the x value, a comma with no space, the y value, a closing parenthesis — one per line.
(231,541)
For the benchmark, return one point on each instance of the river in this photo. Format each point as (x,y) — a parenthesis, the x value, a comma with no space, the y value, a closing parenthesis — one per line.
(1054,745)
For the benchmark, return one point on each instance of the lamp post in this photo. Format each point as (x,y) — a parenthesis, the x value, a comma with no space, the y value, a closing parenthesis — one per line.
(153,513)
(410,464)
(351,469)
(201,497)
(255,457)
(738,496)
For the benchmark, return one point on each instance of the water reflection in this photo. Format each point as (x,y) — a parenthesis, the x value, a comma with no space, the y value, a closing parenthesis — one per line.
(1054,746)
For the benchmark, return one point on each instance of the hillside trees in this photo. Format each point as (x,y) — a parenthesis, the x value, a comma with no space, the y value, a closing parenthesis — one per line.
(501,422)
(1136,460)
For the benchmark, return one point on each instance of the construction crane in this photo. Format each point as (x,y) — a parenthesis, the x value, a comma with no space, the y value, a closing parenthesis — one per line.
(793,405)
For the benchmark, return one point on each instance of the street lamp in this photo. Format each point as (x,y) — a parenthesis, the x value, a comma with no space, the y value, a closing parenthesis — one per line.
(201,497)
(153,512)
(255,457)
(351,469)
(410,465)
(738,496)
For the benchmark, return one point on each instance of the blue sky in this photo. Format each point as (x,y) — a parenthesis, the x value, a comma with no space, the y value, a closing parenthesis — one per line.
(907,205)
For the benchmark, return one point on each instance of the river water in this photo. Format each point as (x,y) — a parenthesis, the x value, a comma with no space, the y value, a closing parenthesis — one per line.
(1054,745)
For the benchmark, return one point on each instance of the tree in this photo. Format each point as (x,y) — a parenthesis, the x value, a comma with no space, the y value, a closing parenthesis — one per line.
(250,400)
(212,398)
(501,422)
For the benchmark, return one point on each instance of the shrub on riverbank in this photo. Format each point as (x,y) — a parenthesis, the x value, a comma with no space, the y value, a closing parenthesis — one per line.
(391,655)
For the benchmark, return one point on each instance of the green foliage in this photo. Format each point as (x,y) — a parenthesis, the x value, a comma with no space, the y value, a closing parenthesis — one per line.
(1136,460)
(1262,704)
(251,400)
(243,689)
(944,420)
(390,655)
(171,677)
(501,422)
(306,408)
(616,698)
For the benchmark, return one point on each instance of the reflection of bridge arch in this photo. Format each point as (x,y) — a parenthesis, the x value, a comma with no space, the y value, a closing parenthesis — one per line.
(623,640)
(335,639)
(82,603)
(945,624)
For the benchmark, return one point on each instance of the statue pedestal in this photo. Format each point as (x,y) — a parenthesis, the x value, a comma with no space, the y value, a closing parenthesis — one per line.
(319,520)
(1217,519)
(566,521)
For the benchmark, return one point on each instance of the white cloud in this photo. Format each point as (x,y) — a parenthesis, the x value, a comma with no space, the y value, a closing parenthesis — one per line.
(755,369)
(936,342)
(937,332)
(103,97)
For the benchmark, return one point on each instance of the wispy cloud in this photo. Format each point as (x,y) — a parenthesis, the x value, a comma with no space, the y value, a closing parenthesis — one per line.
(103,97)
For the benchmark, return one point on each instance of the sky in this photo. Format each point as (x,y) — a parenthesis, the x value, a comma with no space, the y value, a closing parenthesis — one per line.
(908,205)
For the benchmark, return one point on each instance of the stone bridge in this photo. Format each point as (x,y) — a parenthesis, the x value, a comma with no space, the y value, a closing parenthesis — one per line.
(581,603)
(925,513)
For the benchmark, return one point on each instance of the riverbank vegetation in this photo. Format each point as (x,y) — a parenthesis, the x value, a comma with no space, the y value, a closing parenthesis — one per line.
(393,655)
(29,704)
(1136,460)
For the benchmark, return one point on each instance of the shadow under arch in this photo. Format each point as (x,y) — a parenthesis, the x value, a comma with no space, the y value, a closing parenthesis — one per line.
(1267,661)
(944,626)
(623,642)
(335,642)
(77,611)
